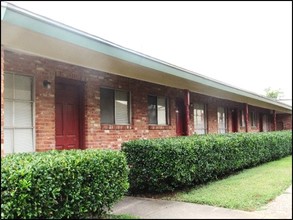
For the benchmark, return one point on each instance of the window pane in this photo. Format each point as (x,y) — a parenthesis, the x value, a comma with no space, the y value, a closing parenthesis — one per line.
(221,120)
(121,107)
(162,111)
(8,141)
(23,114)
(23,85)
(265,123)
(18,113)
(152,109)
(242,119)
(8,114)
(8,86)
(23,139)
(199,118)
(107,106)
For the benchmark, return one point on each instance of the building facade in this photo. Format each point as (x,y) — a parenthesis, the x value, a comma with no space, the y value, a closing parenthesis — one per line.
(63,89)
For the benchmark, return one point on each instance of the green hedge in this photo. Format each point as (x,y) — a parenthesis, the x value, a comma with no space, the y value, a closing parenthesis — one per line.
(62,184)
(159,165)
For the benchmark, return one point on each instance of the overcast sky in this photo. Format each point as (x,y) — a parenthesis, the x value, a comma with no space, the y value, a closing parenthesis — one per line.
(244,44)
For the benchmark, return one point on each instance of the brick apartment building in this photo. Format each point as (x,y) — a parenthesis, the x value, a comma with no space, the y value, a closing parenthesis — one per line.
(62,88)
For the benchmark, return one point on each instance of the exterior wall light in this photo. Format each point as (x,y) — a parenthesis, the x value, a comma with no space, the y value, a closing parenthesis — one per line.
(47,84)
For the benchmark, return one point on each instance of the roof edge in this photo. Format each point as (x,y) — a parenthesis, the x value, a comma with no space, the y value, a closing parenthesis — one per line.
(143,59)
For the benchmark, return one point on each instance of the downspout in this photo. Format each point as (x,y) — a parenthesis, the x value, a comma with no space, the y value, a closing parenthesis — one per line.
(246,117)
(275,120)
(187,104)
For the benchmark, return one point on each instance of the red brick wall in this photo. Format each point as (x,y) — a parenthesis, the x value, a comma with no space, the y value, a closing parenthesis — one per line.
(250,127)
(97,135)
(259,111)
(111,136)
(212,104)
(284,122)
(41,69)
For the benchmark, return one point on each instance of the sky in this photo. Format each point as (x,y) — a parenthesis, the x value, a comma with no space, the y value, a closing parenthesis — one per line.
(246,44)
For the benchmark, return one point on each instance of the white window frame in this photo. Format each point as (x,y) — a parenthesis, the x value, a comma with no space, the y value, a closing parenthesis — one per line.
(242,118)
(220,112)
(265,123)
(158,120)
(13,127)
(253,119)
(115,107)
(200,107)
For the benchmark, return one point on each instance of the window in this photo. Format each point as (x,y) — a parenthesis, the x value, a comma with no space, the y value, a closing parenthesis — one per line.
(18,117)
(265,123)
(222,120)
(253,119)
(242,118)
(200,122)
(158,110)
(115,107)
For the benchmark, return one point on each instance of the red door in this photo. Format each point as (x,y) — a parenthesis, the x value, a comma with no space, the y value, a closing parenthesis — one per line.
(67,116)
(180,117)
(234,117)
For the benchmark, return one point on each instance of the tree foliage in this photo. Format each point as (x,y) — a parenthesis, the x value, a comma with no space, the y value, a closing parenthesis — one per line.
(273,93)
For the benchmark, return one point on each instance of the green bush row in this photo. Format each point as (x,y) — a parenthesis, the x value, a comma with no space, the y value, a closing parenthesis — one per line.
(159,165)
(62,184)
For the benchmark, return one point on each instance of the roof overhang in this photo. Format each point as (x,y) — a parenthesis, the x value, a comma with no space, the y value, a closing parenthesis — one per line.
(27,32)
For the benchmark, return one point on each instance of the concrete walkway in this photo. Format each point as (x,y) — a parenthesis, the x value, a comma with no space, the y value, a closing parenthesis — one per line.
(280,208)
(146,208)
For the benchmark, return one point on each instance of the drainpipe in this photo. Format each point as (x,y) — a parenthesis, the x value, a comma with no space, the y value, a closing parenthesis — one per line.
(246,117)
(187,104)
(275,120)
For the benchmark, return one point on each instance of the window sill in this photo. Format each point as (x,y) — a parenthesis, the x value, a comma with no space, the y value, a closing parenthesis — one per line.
(159,127)
(116,127)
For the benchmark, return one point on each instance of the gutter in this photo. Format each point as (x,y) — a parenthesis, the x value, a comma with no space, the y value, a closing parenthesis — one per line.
(100,45)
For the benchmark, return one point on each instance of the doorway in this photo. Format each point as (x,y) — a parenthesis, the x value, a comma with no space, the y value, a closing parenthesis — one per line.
(234,117)
(180,117)
(68,114)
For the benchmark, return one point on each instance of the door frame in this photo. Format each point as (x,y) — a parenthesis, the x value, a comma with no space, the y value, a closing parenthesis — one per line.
(180,115)
(80,86)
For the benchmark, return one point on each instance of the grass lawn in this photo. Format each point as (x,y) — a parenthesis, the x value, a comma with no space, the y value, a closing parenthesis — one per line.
(247,190)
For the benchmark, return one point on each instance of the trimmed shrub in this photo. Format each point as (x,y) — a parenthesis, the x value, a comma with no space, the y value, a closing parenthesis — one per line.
(62,184)
(160,165)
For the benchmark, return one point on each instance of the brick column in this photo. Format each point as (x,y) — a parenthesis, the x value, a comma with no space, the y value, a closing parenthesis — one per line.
(246,117)
(187,104)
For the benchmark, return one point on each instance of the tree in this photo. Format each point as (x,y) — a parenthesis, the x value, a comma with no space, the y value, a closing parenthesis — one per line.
(273,93)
